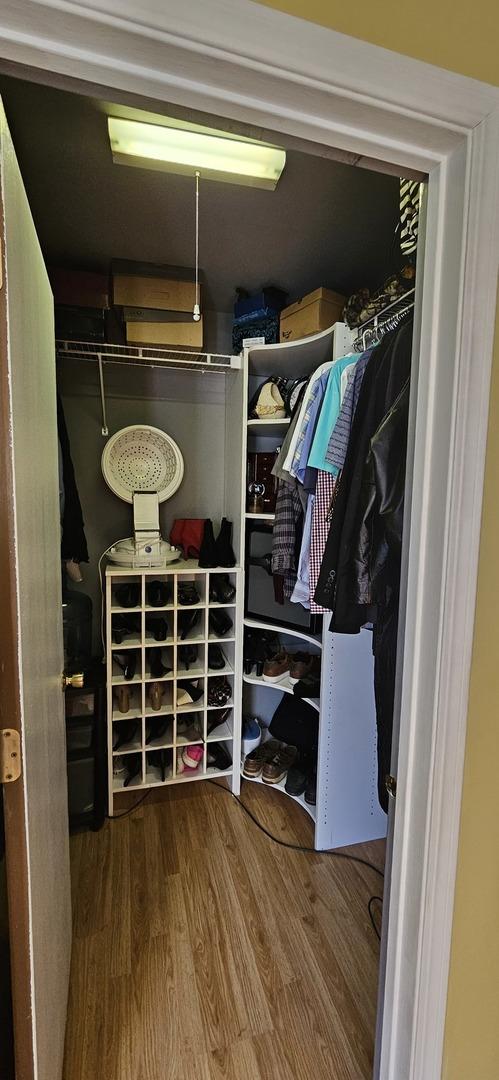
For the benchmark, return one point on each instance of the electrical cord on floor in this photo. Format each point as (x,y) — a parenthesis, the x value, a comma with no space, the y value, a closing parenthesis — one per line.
(297,847)
(371,916)
(125,813)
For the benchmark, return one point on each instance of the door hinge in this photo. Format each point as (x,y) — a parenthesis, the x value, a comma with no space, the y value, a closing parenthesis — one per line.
(10,755)
(391,786)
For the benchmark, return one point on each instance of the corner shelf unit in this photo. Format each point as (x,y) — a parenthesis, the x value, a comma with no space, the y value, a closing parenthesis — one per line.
(347,810)
(178,724)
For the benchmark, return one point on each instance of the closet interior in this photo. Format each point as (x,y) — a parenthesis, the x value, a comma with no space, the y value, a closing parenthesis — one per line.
(203,660)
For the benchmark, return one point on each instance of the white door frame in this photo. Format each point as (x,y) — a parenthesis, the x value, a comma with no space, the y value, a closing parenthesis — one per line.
(249,63)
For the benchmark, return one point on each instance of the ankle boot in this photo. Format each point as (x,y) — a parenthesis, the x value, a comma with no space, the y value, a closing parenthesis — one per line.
(156,691)
(223,545)
(208,553)
(157,668)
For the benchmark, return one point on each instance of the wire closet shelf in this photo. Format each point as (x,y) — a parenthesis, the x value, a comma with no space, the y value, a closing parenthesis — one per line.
(147,356)
(372,330)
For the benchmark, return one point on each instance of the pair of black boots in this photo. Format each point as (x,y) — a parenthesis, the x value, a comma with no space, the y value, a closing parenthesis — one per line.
(217,552)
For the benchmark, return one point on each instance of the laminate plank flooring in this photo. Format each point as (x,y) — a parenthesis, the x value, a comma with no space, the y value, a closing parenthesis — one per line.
(204,951)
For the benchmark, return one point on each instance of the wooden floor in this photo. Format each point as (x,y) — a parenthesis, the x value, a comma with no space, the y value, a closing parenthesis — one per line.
(202,950)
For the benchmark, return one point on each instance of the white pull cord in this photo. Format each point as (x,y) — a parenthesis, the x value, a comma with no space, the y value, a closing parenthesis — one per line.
(196,314)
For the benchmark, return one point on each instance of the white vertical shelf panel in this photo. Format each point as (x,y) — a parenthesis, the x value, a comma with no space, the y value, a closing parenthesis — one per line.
(347,795)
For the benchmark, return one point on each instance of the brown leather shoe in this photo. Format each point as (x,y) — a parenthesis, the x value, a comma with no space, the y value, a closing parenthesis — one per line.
(277,668)
(300,664)
(255,760)
(275,770)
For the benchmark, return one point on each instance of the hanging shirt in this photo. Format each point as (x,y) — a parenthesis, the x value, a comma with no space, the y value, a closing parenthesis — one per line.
(310,418)
(330,411)
(340,435)
(301,591)
(286,465)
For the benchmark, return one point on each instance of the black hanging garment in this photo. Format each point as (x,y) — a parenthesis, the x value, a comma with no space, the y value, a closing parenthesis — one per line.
(73,541)
(360,574)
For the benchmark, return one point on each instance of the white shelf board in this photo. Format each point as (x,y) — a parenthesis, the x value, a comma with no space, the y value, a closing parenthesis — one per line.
(129,643)
(302,635)
(226,670)
(295,358)
(132,714)
(119,680)
(129,747)
(220,640)
(183,566)
(270,428)
(300,799)
(259,517)
(284,686)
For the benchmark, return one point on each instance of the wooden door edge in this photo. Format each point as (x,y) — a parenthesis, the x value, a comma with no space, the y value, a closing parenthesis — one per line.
(16,853)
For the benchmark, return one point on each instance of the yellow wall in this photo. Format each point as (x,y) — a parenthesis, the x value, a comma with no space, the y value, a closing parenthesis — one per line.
(449,33)
(454,35)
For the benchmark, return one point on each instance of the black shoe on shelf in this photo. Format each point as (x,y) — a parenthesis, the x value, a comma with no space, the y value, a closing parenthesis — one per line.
(124,626)
(157,593)
(223,545)
(311,788)
(220,623)
(208,558)
(309,686)
(216,718)
(160,759)
(299,774)
(127,661)
(133,767)
(188,692)
(186,621)
(156,666)
(217,756)
(221,590)
(157,626)
(128,594)
(124,732)
(216,658)
(187,594)
(187,655)
(156,727)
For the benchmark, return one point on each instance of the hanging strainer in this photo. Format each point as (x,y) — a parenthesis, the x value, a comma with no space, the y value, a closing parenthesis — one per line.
(142,458)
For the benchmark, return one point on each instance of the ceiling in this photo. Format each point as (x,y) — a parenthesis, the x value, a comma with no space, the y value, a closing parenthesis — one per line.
(327,223)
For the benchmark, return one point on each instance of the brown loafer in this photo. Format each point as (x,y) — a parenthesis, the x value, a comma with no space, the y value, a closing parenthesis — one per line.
(275,770)
(276,668)
(255,760)
(300,664)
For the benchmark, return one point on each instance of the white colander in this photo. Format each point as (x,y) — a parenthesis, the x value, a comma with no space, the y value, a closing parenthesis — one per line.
(142,458)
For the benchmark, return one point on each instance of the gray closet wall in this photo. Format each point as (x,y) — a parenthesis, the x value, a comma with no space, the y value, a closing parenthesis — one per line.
(189,406)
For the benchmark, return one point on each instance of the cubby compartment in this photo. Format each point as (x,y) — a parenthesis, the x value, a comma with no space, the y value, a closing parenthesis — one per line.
(159,730)
(190,660)
(159,661)
(126,593)
(126,701)
(218,652)
(158,697)
(127,735)
(126,630)
(191,590)
(127,668)
(195,689)
(159,627)
(218,758)
(221,623)
(159,593)
(127,771)
(159,766)
(190,624)
(220,691)
(189,728)
(222,589)
(220,724)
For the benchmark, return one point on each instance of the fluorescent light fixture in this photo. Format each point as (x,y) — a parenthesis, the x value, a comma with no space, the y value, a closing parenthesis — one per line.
(181,150)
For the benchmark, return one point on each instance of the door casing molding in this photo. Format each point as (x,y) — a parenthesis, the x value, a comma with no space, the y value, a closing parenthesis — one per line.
(249,63)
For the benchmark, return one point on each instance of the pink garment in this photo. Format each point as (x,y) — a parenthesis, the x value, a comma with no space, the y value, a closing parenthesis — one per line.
(320,529)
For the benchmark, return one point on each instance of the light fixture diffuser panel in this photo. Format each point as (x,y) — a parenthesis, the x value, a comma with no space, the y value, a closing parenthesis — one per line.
(177,150)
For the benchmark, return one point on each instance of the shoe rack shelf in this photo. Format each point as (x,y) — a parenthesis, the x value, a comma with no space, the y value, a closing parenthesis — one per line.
(152,698)
(347,810)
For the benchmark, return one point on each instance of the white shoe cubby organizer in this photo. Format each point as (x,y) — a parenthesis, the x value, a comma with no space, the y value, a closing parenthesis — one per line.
(145,705)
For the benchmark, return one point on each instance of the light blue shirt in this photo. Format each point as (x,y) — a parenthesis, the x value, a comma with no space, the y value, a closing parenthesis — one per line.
(329,413)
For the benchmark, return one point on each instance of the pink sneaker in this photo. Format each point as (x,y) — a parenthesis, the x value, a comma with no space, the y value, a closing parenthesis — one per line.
(191,757)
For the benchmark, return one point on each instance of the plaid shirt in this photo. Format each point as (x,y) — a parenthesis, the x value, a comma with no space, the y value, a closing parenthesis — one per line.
(286,535)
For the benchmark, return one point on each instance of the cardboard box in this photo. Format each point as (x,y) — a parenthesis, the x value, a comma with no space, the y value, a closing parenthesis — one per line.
(144,285)
(79,288)
(314,312)
(175,335)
